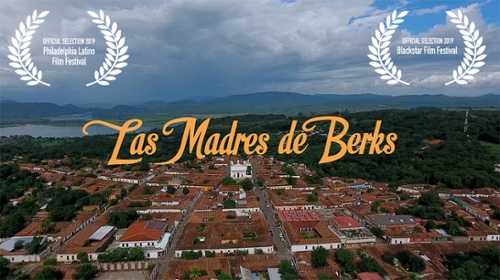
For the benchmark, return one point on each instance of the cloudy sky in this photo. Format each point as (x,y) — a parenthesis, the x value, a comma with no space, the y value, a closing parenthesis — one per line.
(180,49)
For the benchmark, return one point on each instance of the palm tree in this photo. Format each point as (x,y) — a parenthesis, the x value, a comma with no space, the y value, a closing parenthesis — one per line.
(193,273)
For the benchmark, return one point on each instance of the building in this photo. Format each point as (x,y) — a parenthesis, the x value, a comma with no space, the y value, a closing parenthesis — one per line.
(223,233)
(8,250)
(351,232)
(369,276)
(306,231)
(391,221)
(152,236)
(240,171)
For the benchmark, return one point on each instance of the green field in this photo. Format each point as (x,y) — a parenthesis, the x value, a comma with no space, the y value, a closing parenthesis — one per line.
(492,147)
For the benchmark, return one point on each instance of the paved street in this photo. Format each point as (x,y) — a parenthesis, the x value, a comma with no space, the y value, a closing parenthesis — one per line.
(282,250)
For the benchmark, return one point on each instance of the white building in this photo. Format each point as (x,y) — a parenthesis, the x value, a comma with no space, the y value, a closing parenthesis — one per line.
(8,251)
(240,171)
(152,236)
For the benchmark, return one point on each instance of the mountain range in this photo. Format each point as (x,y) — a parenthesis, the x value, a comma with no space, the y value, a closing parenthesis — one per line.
(257,103)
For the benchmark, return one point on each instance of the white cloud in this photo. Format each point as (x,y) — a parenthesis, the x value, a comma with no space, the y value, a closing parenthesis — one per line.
(433,10)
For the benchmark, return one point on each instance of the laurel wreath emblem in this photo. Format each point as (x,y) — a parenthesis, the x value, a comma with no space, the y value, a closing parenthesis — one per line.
(20,53)
(115,56)
(380,49)
(473,49)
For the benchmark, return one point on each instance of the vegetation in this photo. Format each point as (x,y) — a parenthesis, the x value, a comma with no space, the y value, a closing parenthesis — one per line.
(49,273)
(388,258)
(312,197)
(83,257)
(4,266)
(475,265)
(229,203)
(247,184)
(429,206)
(85,271)
(122,254)
(122,219)
(223,276)
(324,276)
(319,256)
(195,272)
(410,261)
(287,270)
(191,255)
(369,264)
(346,261)
(228,181)
(185,191)
(50,261)
(378,232)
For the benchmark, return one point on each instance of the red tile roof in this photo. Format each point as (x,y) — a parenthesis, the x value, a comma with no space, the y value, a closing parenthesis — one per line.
(342,222)
(138,232)
(369,276)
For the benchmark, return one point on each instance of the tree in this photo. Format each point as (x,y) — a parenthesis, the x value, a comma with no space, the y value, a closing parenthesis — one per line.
(18,245)
(430,224)
(388,258)
(417,229)
(194,272)
(185,191)
(287,270)
(4,266)
(228,181)
(378,232)
(346,260)
(247,184)
(50,261)
(319,256)
(83,257)
(35,246)
(136,254)
(224,277)
(312,198)
(171,190)
(49,273)
(85,271)
(324,276)
(229,204)
(147,190)
(369,264)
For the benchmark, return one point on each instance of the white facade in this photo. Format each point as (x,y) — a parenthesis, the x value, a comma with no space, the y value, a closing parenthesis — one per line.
(240,171)
(310,247)
(399,240)
(493,237)
(73,257)
(251,250)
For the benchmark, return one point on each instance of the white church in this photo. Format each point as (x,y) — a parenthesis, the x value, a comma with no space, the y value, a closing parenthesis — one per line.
(240,171)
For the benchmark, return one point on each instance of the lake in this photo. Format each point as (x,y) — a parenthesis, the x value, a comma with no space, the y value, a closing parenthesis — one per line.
(59,131)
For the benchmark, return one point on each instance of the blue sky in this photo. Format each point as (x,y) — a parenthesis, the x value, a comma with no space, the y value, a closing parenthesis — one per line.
(193,48)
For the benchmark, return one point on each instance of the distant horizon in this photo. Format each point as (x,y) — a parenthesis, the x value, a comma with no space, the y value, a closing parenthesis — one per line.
(197,99)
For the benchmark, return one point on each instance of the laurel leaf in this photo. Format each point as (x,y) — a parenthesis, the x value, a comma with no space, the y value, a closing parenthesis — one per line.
(394,70)
(399,74)
(398,21)
(97,21)
(32,83)
(378,35)
(384,51)
(392,82)
(371,56)
(26,78)
(388,21)
(13,58)
(474,71)
(106,33)
(374,64)
(460,70)
(101,71)
(106,67)
(102,26)
(114,27)
(386,38)
(385,77)
(386,56)
(456,21)
(463,65)
(29,32)
(122,42)
(111,45)
(451,14)
(455,74)
(466,61)
(402,14)
(13,50)
(103,83)
(468,56)
(111,51)
(124,57)
(22,28)
(115,72)
(472,27)
(15,65)
(389,67)
(118,35)
(43,14)
(460,15)
(26,38)
(34,71)
(380,71)
(469,44)
(15,43)
(34,14)
(468,38)
(466,21)
(385,45)
(480,50)
(92,14)
(101,14)
(464,32)
(27,62)
(387,61)
(389,32)
(110,78)
(108,21)
(374,41)
(110,57)
(124,50)
(108,62)
(18,35)
(21,72)
(96,75)
(37,22)
(468,77)
(28,21)
(479,42)
(39,75)
(30,66)
(381,27)
(26,56)
(123,64)
(478,64)
(476,35)
(461,26)
(469,51)
(461,82)
(481,57)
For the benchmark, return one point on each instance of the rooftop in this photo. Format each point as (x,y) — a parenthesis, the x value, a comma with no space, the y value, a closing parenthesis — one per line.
(143,231)
(343,222)
(298,215)
(381,219)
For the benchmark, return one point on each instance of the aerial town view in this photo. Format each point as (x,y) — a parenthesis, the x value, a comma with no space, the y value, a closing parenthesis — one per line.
(249,140)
